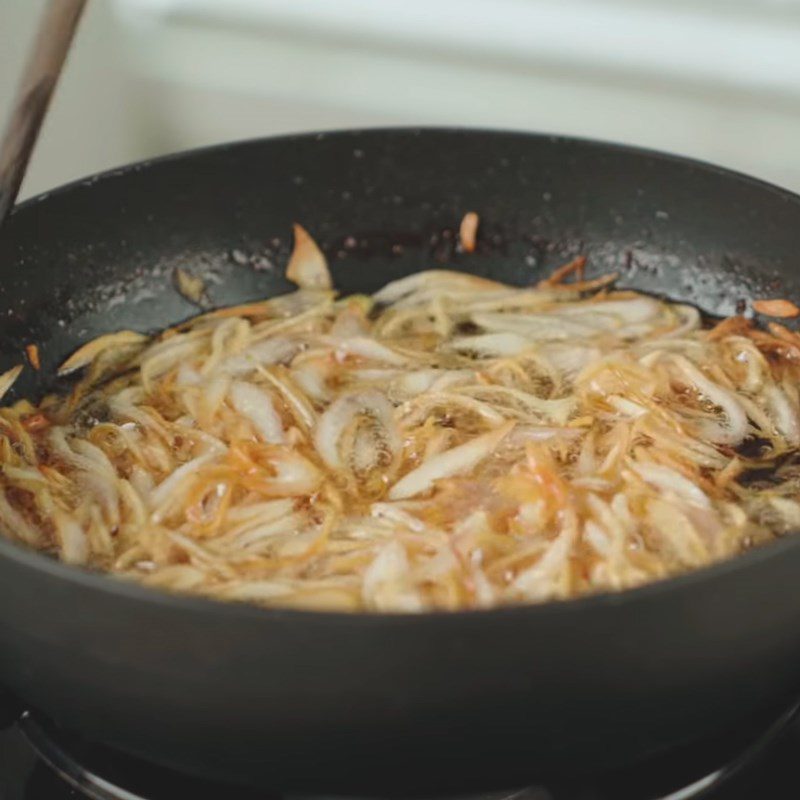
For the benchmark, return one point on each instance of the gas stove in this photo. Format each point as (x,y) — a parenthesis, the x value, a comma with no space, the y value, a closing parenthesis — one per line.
(40,762)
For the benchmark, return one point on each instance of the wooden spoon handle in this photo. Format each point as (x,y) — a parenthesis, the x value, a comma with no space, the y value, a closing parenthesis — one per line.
(39,78)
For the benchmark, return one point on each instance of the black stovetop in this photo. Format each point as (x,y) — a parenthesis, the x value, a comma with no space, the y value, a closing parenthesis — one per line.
(769,770)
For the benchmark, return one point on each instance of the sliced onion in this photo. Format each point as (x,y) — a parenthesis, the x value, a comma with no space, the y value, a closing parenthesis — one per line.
(626,407)
(350,322)
(170,489)
(295,475)
(636,309)
(690,321)
(386,585)
(307,266)
(214,392)
(188,376)
(432,279)
(294,398)
(735,430)
(492,344)
(418,408)
(17,526)
(597,538)
(191,286)
(371,349)
(468,231)
(168,355)
(96,472)
(246,517)
(256,591)
(396,515)
(278,350)
(298,308)
(331,425)
(456,461)
(175,577)
(539,327)
(503,397)
(375,374)
(142,481)
(542,579)
(503,299)
(570,359)
(784,414)
(676,532)
(434,380)
(88,352)
(667,480)
(256,536)
(71,539)
(623,317)
(8,379)
(313,381)
(256,405)
(542,433)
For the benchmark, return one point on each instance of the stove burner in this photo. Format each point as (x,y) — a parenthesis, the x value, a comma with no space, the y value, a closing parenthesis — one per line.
(100,773)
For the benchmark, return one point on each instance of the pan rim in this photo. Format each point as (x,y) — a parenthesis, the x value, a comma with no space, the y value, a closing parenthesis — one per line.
(122,170)
(107,583)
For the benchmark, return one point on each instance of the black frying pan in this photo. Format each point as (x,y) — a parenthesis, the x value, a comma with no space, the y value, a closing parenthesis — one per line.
(335,702)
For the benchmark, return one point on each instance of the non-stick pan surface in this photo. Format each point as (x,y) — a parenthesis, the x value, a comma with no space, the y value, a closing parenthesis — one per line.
(341,703)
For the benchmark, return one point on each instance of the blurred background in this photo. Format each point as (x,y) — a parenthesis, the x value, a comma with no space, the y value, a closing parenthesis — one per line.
(714,79)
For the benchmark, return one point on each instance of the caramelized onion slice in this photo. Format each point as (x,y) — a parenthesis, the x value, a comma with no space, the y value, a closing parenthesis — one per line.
(734,429)
(438,279)
(332,425)
(88,352)
(307,267)
(468,231)
(9,378)
(455,461)
(256,405)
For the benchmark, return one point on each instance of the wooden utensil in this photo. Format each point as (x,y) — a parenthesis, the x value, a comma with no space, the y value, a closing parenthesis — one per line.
(36,85)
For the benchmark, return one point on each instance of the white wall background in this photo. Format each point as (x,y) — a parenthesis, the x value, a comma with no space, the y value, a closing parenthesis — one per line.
(715,79)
